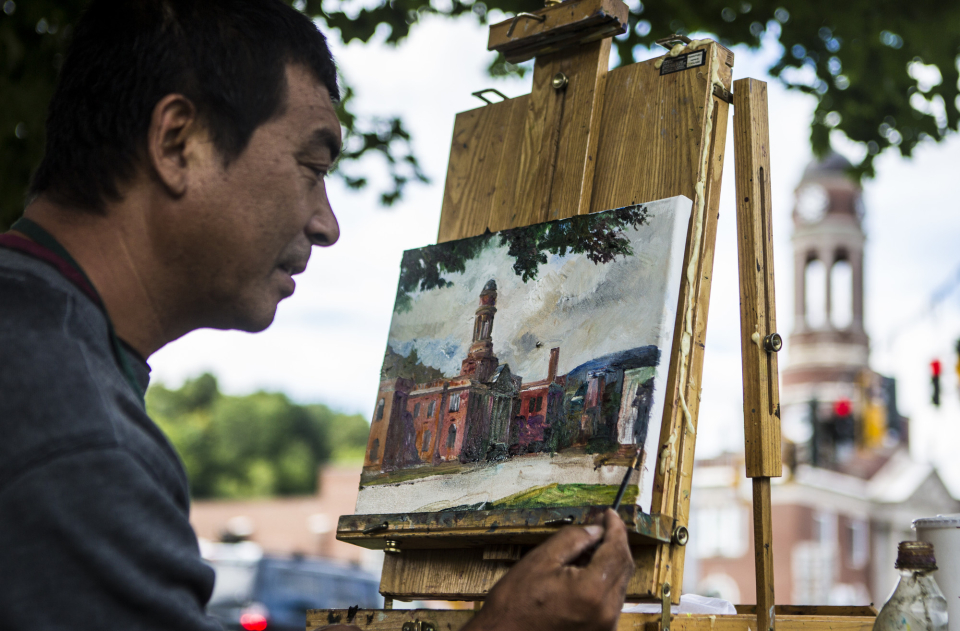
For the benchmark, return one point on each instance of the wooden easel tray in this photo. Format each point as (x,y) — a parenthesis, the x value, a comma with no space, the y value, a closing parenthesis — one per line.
(456,529)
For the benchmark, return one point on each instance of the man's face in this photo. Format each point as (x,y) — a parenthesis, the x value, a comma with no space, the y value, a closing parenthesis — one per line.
(253,223)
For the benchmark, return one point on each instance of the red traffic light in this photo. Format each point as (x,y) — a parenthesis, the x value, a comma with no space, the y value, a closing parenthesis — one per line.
(842,407)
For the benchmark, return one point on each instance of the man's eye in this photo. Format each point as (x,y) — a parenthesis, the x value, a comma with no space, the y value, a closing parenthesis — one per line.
(318,172)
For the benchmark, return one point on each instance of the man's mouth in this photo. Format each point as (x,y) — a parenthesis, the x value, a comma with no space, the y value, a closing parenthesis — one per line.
(292,268)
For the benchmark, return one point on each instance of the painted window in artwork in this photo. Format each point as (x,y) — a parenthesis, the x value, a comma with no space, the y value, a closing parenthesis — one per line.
(452,437)
(379,415)
(455,402)
(416,410)
(539,403)
(375,450)
(425,445)
(431,408)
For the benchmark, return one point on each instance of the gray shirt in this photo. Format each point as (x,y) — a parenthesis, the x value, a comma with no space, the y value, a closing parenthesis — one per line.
(94,530)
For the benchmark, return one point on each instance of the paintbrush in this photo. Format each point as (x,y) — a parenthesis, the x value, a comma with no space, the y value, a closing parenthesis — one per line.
(626,479)
(587,554)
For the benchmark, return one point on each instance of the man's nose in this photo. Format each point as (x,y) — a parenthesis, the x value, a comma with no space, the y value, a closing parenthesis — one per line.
(323,229)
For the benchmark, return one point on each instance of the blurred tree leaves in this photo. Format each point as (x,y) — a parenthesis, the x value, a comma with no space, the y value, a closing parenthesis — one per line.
(256,445)
(884,73)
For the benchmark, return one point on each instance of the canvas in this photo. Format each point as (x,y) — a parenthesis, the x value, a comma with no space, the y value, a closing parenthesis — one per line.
(525,368)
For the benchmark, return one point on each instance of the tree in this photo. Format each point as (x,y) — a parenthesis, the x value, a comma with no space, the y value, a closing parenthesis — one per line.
(255,445)
(885,74)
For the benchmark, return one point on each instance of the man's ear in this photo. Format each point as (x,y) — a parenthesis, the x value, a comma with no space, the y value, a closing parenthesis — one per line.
(173,127)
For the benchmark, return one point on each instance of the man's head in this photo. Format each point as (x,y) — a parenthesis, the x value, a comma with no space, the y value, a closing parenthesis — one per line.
(223,110)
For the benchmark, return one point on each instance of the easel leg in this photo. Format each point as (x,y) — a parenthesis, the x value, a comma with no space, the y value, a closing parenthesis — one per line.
(763,544)
(760,341)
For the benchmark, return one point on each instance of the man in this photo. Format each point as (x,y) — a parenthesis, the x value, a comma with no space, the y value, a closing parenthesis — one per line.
(182,187)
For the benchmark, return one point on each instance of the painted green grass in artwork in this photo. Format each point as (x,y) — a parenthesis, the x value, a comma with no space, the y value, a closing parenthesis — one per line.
(566,495)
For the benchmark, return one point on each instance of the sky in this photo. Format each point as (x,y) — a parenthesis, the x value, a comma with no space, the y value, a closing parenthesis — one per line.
(327,342)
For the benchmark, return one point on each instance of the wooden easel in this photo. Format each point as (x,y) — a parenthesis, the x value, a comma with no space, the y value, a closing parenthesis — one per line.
(586,140)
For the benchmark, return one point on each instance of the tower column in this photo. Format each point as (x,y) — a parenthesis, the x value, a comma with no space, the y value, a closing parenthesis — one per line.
(828,262)
(480,362)
(799,290)
(856,269)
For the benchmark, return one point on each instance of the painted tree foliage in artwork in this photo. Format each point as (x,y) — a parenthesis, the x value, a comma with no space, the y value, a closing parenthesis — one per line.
(600,237)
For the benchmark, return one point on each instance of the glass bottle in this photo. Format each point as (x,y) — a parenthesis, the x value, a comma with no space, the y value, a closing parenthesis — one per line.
(917,604)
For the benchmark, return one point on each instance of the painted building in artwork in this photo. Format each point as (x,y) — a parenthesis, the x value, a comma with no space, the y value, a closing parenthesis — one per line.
(850,488)
(488,413)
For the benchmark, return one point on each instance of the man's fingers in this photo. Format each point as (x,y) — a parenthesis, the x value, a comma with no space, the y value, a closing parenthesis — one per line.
(612,558)
(568,544)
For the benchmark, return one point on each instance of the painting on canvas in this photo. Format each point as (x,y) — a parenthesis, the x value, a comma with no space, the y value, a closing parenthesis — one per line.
(525,368)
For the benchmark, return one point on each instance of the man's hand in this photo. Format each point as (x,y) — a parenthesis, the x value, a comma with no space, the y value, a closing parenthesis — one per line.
(547,591)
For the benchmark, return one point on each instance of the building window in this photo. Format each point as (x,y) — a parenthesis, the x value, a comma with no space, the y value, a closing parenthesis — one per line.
(825,529)
(375,450)
(858,544)
(379,414)
(452,437)
(416,410)
(455,402)
(431,408)
(539,403)
(719,532)
(425,445)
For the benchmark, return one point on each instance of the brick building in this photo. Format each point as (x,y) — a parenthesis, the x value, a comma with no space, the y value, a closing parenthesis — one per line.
(850,488)
(488,413)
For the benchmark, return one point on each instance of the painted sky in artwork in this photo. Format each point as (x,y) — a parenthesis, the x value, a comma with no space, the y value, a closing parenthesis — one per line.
(587,310)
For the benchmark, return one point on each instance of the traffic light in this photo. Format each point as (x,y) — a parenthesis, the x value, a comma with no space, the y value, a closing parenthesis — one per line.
(935,381)
(957,367)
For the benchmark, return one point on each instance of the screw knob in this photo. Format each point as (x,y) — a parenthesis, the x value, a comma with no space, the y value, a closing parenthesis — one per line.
(681,535)
(391,546)
(773,343)
(559,81)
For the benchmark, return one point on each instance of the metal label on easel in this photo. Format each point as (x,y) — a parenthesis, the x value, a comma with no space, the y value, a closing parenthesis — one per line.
(683,62)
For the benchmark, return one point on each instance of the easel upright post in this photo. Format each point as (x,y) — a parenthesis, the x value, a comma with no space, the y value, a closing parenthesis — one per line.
(760,341)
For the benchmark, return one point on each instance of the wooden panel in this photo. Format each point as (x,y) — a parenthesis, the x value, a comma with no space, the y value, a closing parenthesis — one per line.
(713,162)
(441,574)
(562,27)
(761,400)
(814,610)
(529,526)
(675,148)
(482,150)
(449,620)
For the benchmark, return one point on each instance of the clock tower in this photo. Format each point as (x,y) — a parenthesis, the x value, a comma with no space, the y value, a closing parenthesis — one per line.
(829,349)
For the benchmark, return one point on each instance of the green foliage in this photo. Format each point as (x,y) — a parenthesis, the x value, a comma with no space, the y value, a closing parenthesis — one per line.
(599,236)
(885,74)
(256,445)
(34,35)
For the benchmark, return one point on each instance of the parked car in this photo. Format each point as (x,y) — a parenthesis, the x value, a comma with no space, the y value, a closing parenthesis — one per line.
(272,593)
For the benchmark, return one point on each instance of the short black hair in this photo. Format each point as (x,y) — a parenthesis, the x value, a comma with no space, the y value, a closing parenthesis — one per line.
(228,57)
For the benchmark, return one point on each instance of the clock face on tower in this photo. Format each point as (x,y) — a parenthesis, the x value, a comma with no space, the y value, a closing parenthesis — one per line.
(812,202)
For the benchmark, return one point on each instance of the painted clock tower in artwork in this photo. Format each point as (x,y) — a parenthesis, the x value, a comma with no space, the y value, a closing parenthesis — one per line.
(829,349)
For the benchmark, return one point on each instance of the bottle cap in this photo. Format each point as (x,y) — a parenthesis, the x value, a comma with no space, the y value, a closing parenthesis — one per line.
(915,555)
